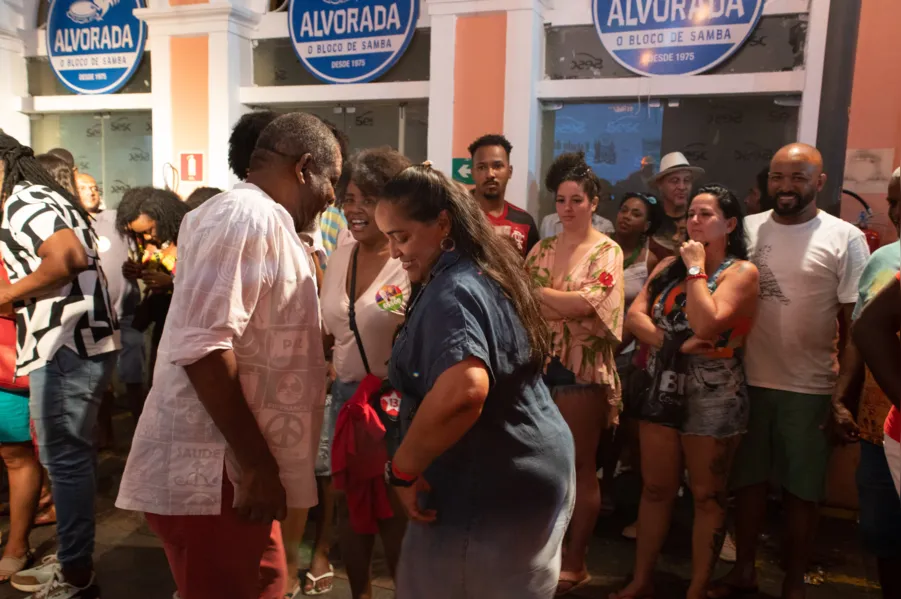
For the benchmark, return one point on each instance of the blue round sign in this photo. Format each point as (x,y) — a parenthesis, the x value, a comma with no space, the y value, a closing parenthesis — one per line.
(351,41)
(95,46)
(674,37)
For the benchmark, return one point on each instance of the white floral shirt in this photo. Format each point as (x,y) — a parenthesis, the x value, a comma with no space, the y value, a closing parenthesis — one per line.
(245,282)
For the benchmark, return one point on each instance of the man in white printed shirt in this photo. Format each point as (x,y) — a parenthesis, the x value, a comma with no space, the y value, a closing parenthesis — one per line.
(227,441)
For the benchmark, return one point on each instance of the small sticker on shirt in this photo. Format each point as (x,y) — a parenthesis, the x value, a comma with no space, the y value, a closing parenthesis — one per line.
(390,298)
(390,403)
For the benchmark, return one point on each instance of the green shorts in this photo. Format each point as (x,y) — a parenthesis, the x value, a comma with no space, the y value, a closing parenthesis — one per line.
(785,443)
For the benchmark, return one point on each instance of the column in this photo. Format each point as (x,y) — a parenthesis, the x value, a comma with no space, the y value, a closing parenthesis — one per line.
(13,76)
(522,114)
(201,56)
(441,90)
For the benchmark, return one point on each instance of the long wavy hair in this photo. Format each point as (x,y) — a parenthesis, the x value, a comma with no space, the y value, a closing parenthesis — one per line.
(423,193)
(736,244)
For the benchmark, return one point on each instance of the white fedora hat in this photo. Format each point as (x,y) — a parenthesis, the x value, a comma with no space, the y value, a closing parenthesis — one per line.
(676,161)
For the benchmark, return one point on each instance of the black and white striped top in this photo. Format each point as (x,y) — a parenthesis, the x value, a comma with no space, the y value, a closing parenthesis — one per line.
(78,314)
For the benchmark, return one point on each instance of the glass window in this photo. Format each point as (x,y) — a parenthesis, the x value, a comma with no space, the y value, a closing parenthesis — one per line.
(777,44)
(42,81)
(376,124)
(276,63)
(115,148)
(731,138)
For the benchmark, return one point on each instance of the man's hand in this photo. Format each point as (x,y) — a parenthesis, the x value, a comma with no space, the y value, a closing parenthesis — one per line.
(132,270)
(261,497)
(409,496)
(841,427)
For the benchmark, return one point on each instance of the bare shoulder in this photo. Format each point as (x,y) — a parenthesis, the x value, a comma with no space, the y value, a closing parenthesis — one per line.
(743,271)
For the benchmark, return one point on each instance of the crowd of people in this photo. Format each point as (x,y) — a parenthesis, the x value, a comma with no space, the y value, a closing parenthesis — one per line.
(430,367)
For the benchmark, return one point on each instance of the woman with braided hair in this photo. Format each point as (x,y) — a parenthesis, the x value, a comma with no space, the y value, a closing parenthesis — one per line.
(68,338)
(579,275)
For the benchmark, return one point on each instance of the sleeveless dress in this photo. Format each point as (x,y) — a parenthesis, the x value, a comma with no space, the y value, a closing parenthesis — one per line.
(716,395)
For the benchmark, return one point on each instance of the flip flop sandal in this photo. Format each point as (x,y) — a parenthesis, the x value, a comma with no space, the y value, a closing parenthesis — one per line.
(577,583)
(295,592)
(315,580)
(10,566)
(45,517)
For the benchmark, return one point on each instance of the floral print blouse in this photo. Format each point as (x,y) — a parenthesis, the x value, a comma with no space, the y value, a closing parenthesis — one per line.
(587,345)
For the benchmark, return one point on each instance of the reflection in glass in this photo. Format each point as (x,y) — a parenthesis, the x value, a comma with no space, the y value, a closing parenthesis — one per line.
(731,138)
(115,149)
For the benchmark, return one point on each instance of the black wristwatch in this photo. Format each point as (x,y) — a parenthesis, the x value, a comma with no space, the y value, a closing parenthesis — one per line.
(395,481)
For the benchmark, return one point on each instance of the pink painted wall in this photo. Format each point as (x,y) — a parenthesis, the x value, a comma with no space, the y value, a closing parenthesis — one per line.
(480,61)
(190,100)
(876,94)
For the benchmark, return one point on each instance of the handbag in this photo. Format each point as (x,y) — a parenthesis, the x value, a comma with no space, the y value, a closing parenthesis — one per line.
(386,400)
(8,379)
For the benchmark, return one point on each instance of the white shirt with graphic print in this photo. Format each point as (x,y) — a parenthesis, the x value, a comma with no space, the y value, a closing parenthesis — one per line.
(807,272)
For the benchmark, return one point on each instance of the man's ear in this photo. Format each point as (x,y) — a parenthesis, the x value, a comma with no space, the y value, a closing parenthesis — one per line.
(302,168)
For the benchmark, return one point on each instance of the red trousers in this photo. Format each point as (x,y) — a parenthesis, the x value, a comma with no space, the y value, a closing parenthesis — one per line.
(212,557)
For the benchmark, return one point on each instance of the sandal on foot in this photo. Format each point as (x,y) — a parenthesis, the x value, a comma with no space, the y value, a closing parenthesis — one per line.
(316,579)
(10,566)
(45,516)
(295,591)
(574,582)
(727,590)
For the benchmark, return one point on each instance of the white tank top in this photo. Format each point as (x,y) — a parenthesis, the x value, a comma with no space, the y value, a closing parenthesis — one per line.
(635,277)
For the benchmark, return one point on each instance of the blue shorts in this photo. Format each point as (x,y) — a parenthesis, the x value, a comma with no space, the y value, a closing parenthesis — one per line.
(880,510)
(334,401)
(14,421)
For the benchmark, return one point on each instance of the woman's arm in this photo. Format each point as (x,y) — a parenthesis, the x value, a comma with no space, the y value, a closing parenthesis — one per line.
(711,314)
(446,413)
(638,318)
(568,304)
(876,336)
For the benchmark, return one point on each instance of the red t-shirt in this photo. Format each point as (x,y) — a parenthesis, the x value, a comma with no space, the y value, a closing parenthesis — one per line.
(518,225)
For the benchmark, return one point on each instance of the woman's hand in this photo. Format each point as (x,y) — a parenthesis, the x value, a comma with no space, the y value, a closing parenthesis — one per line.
(132,270)
(157,281)
(409,496)
(696,345)
(693,254)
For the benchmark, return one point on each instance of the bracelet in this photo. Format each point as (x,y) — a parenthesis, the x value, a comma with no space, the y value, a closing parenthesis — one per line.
(700,275)
(396,478)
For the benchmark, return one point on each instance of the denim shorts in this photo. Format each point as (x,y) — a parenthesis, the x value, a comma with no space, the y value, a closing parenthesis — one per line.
(334,401)
(880,510)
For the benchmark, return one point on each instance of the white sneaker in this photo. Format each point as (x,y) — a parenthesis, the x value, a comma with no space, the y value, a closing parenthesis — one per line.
(34,579)
(58,588)
(728,553)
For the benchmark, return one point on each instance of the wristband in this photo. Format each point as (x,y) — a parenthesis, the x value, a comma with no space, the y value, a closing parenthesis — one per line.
(396,478)
(700,275)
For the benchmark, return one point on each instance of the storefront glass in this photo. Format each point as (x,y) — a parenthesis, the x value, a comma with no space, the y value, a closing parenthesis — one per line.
(777,44)
(731,138)
(115,149)
(377,124)
(43,82)
(276,63)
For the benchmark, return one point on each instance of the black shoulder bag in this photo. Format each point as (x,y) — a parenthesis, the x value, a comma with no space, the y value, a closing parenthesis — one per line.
(387,400)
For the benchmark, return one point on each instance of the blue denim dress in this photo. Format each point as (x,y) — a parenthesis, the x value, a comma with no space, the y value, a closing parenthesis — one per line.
(503,493)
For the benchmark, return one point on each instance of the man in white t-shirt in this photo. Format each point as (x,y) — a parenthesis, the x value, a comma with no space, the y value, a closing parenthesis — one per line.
(810,263)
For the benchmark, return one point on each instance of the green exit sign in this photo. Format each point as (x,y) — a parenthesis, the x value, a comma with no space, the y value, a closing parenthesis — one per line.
(462,170)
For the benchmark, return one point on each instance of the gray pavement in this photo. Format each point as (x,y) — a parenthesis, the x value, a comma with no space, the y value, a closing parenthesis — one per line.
(131,564)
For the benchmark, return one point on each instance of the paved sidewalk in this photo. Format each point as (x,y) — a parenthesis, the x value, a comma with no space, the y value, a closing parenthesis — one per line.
(131,564)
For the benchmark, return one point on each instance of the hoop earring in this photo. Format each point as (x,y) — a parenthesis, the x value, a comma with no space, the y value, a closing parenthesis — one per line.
(448,244)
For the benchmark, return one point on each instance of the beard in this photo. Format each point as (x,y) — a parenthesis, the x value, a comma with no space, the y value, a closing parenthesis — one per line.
(800,203)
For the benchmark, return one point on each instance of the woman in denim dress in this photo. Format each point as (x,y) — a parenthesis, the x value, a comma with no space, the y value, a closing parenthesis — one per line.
(486,468)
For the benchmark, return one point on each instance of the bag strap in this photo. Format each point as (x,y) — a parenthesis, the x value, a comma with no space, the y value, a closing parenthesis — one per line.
(351,311)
